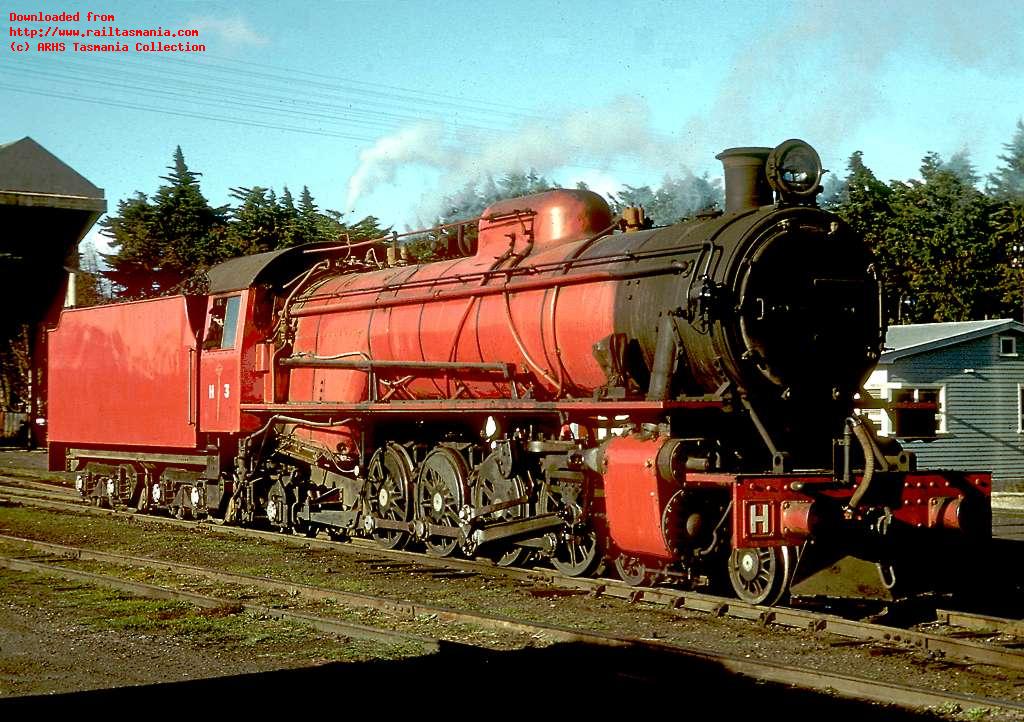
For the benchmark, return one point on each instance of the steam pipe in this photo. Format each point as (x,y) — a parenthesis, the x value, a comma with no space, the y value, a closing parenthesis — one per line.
(861,433)
(661,369)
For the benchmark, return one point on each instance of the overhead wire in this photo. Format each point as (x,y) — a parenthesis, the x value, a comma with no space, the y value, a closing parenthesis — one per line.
(265,101)
(225,90)
(395,104)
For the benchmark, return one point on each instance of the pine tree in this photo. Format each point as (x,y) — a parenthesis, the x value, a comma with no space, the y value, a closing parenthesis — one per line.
(1007,183)
(90,285)
(941,227)
(309,225)
(162,243)
(255,225)
(185,222)
(138,257)
(289,219)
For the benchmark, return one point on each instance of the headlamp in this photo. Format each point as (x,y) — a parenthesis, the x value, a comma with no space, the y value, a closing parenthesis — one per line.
(794,171)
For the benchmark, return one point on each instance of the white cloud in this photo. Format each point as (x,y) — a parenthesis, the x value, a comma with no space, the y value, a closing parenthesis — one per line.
(235,31)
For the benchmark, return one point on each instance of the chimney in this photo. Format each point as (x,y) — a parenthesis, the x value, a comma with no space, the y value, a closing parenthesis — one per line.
(746,185)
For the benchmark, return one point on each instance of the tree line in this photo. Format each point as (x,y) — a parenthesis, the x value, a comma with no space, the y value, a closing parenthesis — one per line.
(949,244)
(164,243)
(948,249)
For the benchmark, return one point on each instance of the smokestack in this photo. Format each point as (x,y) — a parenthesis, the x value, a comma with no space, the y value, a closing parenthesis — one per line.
(746,185)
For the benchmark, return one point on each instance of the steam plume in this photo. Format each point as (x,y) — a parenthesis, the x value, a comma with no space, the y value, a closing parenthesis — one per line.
(615,130)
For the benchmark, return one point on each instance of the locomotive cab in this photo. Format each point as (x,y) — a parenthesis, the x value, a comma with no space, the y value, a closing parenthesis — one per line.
(229,374)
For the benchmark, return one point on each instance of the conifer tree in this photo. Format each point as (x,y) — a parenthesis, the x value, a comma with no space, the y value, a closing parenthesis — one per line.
(1007,183)
(160,244)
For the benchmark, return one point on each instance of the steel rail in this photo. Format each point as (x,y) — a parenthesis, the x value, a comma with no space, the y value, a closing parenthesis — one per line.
(39,494)
(980,622)
(846,685)
(811,621)
(406,608)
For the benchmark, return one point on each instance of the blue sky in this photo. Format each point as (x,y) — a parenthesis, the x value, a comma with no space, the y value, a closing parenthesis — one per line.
(383,107)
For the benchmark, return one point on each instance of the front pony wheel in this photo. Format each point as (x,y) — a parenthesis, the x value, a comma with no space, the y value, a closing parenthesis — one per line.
(761,575)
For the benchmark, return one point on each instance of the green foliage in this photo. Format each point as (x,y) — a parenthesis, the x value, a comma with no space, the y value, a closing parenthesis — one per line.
(940,240)
(258,224)
(165,243)
(476,196)
(161,243)
(1007,183)
(674,200)
(948,251)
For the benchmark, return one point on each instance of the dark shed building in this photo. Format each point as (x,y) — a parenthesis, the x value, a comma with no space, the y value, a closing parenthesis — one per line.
(968,377)
(46,208)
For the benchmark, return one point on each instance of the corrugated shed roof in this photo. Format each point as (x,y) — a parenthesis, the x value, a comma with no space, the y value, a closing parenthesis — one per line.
(902,341)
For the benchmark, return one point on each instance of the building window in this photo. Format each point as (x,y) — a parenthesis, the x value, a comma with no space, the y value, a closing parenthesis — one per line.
(1007,345)
(918,412)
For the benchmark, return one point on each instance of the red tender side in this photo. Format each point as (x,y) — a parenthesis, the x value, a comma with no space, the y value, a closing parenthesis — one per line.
(126,374)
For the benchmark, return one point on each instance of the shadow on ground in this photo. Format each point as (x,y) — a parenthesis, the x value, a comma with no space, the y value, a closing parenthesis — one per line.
(462,682)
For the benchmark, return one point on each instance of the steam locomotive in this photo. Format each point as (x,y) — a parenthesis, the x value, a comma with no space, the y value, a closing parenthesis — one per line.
(679,403)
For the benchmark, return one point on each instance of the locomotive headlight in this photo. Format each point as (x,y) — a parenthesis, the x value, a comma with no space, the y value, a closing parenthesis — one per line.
(794,171)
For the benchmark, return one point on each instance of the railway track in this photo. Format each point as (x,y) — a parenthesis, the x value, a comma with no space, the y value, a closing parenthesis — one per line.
(763,671)
(953,644)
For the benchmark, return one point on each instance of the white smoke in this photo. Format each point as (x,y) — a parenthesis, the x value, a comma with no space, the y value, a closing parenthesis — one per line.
(820,74)
(592,138)
(420,144)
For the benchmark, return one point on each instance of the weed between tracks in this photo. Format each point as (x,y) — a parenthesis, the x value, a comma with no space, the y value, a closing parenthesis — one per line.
(86,612)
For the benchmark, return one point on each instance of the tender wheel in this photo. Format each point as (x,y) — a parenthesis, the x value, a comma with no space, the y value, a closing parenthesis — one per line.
(633,571)
(390,481)
(276,507)
(142,503)
(761,575)
(439,497)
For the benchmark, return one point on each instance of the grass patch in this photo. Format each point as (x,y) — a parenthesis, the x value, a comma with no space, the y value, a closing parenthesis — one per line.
(226,628)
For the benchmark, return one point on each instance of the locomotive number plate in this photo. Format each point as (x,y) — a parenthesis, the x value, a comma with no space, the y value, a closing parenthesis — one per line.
(759,518)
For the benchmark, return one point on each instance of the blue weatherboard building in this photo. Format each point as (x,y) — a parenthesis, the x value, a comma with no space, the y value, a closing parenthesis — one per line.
(969,376)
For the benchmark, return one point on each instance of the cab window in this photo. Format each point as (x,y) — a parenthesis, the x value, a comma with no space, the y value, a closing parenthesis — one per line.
(223,323)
